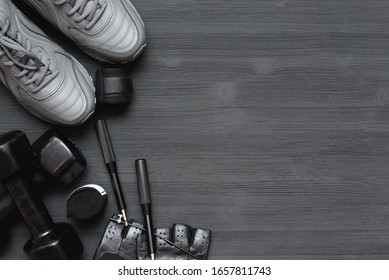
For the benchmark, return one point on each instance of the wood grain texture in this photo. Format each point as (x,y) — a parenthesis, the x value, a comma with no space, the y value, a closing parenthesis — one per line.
(265,121)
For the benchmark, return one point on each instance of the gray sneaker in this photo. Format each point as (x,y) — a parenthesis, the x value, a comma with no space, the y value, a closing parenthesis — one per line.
(46,80)
(108,30)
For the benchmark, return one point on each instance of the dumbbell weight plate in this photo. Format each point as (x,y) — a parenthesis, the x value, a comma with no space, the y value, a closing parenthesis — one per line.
(59,156)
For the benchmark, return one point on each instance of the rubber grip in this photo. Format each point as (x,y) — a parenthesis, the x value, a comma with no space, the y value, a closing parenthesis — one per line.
(143,181)
(110,161)
(105,141)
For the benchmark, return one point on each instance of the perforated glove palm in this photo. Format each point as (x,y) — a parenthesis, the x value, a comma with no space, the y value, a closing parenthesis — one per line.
(130,243)
(195,241)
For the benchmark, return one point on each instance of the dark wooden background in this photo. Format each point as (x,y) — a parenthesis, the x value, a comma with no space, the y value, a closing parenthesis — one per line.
(264,121)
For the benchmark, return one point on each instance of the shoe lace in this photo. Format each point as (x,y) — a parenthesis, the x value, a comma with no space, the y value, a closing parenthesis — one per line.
(89,10)
(31,65)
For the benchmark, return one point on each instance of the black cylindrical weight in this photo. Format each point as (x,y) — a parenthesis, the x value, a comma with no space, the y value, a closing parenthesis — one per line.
(58,156)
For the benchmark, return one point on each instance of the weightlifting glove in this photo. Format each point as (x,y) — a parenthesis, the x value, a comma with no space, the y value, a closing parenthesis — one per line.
(194,240)
(119,242)
(129,243)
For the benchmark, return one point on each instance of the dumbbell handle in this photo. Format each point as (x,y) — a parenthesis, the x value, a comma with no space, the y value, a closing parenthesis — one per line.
(36,180)
(30,205)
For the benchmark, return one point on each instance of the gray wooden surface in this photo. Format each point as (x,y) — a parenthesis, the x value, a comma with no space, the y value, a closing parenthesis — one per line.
(265,121)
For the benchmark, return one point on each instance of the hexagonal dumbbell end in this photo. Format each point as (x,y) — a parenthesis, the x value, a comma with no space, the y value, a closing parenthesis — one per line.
(59,156)
(16,154)
(61,242)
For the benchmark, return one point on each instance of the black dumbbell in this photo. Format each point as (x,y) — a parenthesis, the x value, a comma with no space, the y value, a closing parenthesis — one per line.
(49,240)
(58,161)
